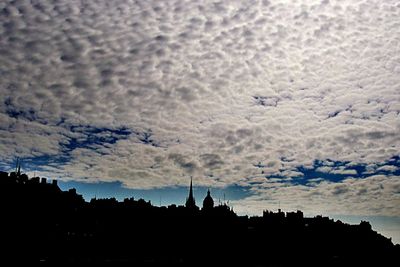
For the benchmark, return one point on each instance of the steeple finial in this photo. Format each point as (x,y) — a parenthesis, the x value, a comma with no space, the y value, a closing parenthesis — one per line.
(191,187)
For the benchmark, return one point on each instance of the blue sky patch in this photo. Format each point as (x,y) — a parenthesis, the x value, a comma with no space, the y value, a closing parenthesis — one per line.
(95,136)
(336,171)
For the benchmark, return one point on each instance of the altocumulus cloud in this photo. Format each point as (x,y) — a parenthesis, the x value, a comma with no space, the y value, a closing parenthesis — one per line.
(249,93)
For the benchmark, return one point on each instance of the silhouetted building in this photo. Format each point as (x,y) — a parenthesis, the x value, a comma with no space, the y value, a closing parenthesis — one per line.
(190,201)
(34,180)
(295,217)
(71,191)
(13,176)
(64,228)
(274,218)
(364,225)
(23,178)
(5,179)
(208,202)
(3,175)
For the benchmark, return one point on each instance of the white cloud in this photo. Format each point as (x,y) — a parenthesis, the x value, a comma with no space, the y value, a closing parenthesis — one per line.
(337,170)
(345,172)
(388,168)
(326,169)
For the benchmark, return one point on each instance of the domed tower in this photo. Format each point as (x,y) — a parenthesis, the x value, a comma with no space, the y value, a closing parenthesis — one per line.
(208,202)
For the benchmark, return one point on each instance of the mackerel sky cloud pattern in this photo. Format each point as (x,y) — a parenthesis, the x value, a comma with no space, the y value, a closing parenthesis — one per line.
(297,101)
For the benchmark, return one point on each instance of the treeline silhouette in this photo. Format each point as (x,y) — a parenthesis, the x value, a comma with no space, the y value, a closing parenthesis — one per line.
(42,224)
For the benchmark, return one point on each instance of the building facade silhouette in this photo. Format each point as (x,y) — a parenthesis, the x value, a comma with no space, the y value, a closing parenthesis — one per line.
(64,228)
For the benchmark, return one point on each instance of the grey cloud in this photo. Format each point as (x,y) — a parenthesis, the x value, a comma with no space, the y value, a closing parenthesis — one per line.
(380,134)
(183,162)
(211,161)
(340,189)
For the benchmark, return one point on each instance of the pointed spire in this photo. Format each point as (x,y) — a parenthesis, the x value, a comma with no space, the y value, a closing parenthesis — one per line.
(190,201)
(191,188)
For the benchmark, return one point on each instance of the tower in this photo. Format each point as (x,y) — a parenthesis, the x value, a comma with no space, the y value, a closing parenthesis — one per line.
(208,202)
(190,201)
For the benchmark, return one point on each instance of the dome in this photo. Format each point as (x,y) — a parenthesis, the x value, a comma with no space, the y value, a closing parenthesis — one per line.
(208,202)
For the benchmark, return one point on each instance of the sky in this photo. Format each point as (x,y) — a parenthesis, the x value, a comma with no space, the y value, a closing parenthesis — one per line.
(290,104)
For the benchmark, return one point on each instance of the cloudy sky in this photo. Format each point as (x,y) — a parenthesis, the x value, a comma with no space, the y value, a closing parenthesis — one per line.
(274,103)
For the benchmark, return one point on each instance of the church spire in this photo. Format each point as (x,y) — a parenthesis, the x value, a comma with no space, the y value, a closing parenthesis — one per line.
(191,188)
(190,201)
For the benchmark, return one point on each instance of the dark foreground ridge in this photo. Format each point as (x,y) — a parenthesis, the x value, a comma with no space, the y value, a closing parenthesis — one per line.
(42,224)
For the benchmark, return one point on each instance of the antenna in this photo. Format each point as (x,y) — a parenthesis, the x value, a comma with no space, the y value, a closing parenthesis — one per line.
(19,168)
(16,165)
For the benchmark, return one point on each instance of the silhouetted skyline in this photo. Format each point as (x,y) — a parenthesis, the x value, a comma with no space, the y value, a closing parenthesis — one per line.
(59,227)
(272,103)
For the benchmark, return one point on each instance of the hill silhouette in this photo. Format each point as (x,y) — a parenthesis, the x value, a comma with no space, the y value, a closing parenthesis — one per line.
(43,224)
